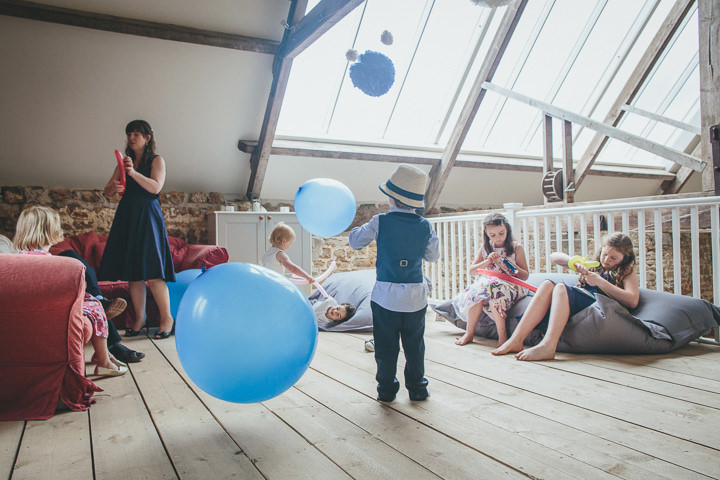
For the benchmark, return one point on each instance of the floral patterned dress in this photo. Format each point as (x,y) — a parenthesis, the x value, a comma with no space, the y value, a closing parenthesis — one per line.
(92,308)
(497,293)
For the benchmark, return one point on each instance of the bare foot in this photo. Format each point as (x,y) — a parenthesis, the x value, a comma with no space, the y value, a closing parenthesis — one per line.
(464,340)
(510,346)
(502,339)
(538,352)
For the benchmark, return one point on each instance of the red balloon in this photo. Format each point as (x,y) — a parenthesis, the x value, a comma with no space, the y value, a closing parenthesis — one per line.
(121,166)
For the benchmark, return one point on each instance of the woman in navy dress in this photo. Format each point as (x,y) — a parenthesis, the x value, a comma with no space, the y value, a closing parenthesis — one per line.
(137,249)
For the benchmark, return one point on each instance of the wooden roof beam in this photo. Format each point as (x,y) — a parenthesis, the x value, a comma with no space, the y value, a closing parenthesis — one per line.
(130,26)
(313,25)
(302,31)
(440,172)
(419,157)
(635,82)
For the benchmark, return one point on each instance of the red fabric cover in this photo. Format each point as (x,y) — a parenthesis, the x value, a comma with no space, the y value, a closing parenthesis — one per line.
(185,256)
(41,349)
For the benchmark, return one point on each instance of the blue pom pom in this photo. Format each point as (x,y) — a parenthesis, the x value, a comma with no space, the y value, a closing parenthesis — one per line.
(373,73)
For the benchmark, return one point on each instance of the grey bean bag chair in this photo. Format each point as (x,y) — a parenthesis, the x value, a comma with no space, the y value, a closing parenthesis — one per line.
(662,322)
(351,287)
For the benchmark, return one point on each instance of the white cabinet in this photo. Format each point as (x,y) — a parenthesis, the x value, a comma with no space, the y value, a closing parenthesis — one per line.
(245,236)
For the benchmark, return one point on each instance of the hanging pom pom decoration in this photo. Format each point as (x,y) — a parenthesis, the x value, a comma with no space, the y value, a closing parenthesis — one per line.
(351,55)
(386,38)
(492,3)
(373,73)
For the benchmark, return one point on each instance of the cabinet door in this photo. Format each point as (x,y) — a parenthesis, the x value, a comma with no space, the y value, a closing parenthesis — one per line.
(242,234)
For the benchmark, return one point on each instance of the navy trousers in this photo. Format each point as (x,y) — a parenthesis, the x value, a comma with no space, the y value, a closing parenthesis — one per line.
(389,328)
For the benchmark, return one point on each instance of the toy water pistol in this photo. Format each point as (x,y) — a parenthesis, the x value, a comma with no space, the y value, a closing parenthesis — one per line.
(578,260)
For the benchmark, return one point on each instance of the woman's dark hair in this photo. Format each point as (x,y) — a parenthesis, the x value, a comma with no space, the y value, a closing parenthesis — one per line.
(144,128)
(495,219)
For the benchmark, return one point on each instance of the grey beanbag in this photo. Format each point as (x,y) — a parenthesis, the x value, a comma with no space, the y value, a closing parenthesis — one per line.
(351,287)
(662,322)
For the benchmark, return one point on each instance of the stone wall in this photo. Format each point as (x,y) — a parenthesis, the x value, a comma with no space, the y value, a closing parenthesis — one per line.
(85,210)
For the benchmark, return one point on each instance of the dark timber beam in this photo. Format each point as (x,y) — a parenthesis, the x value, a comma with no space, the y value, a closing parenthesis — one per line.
(318,21)
(440,173)
(281,74)
(414,157)
(130,26)
(635,82)
(709,64)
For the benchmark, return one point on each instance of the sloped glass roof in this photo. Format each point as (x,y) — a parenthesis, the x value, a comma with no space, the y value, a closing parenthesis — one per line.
(575,55)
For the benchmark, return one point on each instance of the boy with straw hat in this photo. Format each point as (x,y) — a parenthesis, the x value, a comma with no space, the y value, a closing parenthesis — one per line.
(399,298)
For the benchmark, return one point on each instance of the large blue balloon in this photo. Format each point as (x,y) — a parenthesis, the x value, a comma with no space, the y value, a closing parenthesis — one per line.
(177,288)
(245,333)
(324,207)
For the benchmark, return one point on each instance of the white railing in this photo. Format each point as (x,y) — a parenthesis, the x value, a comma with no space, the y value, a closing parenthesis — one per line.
(687,241)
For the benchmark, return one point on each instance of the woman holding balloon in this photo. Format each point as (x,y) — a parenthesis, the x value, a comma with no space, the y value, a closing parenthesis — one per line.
(137,249)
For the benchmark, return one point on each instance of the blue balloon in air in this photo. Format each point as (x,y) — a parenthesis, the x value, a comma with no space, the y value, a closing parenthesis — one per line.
(325,207)
(245,333)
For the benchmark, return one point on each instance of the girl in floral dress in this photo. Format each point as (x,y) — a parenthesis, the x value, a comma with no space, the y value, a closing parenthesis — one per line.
(493,291)
(38,228)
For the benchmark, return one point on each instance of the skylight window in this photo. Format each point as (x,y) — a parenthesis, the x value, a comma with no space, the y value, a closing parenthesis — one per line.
(575,55)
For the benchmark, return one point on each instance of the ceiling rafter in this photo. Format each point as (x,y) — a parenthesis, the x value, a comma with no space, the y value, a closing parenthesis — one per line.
(440,172)
(303,149)
(131,26)
(644,67)
(303,30)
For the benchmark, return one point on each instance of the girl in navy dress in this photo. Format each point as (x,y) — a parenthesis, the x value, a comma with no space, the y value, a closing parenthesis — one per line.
(137,249)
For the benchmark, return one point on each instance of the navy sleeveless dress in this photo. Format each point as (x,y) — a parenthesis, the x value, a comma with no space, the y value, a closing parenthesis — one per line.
(137,247)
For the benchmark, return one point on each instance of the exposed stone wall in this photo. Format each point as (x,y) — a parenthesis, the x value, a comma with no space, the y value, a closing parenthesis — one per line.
(85,210)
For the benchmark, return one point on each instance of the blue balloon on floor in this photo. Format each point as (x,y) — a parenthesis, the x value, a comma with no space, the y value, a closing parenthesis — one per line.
(324,207)
(245,333)
(177,288)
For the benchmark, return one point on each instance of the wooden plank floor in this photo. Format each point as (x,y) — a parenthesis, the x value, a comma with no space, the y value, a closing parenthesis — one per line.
(580,416)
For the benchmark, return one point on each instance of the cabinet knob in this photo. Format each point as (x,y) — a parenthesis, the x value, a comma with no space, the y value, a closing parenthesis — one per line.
(269,217)
(261,217)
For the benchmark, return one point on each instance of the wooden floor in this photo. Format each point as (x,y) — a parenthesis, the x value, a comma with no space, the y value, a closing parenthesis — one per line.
(580,416)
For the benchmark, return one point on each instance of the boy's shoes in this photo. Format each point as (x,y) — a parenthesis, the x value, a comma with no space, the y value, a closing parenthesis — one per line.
(124,354)
(370,345)
(115,308)
(386,398)
(419,396)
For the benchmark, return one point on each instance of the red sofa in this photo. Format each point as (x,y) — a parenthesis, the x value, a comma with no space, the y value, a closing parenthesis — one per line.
(91,246)
(42,360)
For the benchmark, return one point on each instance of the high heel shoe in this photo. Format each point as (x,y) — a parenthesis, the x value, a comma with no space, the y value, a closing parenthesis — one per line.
(129,332)
(160,335)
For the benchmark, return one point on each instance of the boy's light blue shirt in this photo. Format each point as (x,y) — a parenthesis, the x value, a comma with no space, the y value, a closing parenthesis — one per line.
(398,297)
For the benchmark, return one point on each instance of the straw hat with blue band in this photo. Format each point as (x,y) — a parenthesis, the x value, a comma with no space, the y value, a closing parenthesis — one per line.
(407,186)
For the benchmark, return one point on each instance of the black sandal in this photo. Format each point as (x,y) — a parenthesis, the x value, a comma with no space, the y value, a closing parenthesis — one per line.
(160,335)
(129,332)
